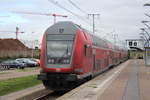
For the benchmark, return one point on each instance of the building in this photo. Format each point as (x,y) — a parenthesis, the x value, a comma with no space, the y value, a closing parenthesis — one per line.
(134,44)
(135,47)
(13,48)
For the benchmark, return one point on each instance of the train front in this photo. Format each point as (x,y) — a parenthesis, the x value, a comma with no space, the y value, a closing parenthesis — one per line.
(56,56)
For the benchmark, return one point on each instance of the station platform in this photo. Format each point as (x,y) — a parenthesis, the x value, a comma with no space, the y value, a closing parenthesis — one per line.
(128,81)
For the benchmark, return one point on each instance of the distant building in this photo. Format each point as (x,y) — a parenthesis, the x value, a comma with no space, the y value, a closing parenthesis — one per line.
(34,44)
(135,47)
(13,48)
(134,44)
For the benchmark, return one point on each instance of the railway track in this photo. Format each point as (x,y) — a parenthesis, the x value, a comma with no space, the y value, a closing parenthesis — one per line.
(50,96)
(43,95)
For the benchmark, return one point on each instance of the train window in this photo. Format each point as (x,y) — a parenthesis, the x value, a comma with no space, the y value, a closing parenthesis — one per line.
(90,51)
(130,43)
(97,65)
(85,50)
(106,62)
(85,36)
(63,37)
(61,30)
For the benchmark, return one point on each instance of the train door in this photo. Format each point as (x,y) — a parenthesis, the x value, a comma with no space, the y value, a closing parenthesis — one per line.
(94,62)
(111,57)
(87,58)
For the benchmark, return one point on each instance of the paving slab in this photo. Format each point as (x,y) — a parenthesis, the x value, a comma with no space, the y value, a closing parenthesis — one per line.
(128,81)
(136,86)
(144,81)
(94,88)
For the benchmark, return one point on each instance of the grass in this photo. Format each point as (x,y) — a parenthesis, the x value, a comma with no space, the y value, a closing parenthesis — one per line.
(16,84)
(28,69)
(4,73)
(93,85)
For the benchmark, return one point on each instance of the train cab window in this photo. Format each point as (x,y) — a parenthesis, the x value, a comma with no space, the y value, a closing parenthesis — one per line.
(59,48)
(85,36)
(135,43)
(130,43)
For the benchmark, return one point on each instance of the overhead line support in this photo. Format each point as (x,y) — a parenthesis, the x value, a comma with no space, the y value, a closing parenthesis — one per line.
(93,17)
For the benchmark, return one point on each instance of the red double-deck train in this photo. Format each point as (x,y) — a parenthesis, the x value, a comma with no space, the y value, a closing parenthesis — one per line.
(70,53)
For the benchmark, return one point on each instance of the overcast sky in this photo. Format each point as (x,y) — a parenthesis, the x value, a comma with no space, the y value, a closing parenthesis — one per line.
(122,17)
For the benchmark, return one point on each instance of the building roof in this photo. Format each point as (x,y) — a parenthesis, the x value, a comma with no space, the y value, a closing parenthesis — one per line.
(134,39)
(12,44)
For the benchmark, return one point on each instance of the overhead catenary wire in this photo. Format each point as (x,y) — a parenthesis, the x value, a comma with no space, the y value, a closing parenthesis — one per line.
(72,3)
(60,6)
(74,14)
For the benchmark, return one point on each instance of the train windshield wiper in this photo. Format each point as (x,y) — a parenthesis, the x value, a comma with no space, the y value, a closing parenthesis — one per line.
(66,52)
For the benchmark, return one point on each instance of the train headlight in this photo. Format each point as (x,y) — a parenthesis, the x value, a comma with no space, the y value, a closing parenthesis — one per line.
(66,61)
(51,61)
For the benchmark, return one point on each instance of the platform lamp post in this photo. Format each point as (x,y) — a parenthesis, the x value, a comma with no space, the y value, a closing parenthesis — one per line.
(143,34)
(147,15)
(147,37)
(146,4)
(144,37)
(146,47)
(144,22)
(144,30)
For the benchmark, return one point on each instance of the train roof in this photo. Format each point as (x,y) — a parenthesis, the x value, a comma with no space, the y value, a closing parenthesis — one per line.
(66,27)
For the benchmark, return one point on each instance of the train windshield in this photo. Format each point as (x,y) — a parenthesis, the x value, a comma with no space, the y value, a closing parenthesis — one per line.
(59,48)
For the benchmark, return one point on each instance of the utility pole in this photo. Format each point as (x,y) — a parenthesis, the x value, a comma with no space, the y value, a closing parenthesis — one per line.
(93,17)
(115,38)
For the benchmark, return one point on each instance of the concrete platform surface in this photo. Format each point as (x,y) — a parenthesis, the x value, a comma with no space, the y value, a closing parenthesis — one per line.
(128,81)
